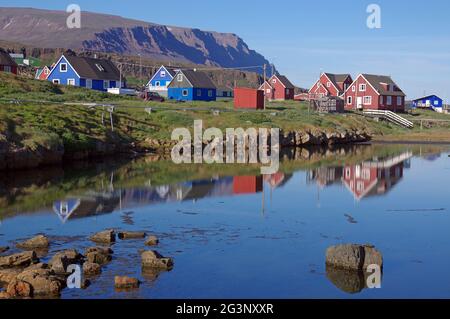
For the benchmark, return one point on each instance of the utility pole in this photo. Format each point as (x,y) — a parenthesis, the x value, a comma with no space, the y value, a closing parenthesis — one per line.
(264,86)
(120,82)
(140,67)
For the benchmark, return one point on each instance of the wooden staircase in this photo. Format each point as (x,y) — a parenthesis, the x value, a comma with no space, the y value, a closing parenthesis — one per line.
(389,116)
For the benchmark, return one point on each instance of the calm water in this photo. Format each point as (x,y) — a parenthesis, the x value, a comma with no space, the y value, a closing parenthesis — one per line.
(235,234)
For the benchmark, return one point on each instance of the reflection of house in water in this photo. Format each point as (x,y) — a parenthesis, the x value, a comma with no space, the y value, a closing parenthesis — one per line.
(325,176)
(374,177)
(277,180)
(101,203)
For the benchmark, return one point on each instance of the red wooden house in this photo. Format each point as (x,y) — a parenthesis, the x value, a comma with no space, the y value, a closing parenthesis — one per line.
(248,98)
(331,85)
(278,87)
(376,92)
(43,73)
(7,64)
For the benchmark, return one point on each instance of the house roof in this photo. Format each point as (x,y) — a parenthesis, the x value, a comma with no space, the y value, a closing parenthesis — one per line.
(88,68)
(336,78)
(199,79)
(285,81)
(5,58)
(262,86)
(426,97)
(377,80)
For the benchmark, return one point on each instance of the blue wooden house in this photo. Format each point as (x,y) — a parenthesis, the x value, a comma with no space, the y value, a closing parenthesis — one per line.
(430,101)
(95,74)
(191,85)
(160,80)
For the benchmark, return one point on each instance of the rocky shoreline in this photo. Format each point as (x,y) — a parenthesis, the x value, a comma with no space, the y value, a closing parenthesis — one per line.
(13,158)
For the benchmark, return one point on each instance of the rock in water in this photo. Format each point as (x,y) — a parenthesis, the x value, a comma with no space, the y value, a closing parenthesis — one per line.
(152,241)
(18,288)
(3,249)
(8,275)
(43,282)
(131,235)
(24,259)
(38,242)
(101,250)
(91,269)
(349,281)
(62,259)
(353,257)
(152,259)
(104,237)
(126,282)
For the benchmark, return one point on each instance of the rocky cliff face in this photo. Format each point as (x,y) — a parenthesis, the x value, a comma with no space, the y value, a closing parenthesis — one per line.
(112,34)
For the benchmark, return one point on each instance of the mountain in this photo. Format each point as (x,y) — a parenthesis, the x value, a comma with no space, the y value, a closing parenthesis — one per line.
(114,34)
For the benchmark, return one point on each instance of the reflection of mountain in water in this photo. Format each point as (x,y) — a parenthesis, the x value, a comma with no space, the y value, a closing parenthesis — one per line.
(370,178)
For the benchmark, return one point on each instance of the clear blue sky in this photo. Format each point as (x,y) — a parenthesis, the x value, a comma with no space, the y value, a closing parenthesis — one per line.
(304,38)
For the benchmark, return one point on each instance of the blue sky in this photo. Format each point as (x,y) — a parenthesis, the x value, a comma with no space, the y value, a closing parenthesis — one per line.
(304,38)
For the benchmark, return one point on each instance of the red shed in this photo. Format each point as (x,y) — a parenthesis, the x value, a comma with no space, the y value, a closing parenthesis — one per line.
(278,87)
(247,98)
(247,184)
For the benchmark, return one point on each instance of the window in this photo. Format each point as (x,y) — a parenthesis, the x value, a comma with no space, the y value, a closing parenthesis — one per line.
(288,91)
(7,68)
(70,81)
(199,92)
(157,83)
(106,84)
(100,67)
(353,88)
(381,100)
(180,77)
(89,84)
(185,92)
(328,84)
(162,74)
(56,81)
(274,81)
(348,173)
(46,71)
(362,88)
(210,93)
(268,91)
(436,103)
(389,100)
(367,100)
(349,100)
(63,67)
(399,100)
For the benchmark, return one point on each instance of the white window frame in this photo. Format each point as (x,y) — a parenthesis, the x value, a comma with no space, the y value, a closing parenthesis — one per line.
(268,91)
(61,69)
(157,83)
(89,83)
(328,84)
(399,100)
(56,81)
(180,77)
(71,82)
(367,100)
(7,68)
(388,100)
(274,81)
(185,92)
(162,74)
(288,91)
(349,100)
(353,88)
(106,84)
(361,86)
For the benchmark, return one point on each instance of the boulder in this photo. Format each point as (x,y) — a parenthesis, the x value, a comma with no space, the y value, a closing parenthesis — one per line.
(38,242)
(3,249)
(348,281)
(19,288)
(43,282)
(8,275)
(91,269)
(104,237)
(152,259)
(98,258)
(101,250)
(131,235)
(123,282)
(152,241)
(62,259)
(4,295)
(353,257)
(23,259)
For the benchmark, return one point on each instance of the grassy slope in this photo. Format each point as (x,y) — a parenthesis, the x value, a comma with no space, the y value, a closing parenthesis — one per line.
(78,127)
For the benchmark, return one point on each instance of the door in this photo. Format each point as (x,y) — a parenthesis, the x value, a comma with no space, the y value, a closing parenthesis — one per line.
(359,103)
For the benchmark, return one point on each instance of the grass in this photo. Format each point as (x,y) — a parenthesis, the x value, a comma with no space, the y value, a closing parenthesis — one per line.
(32,123)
